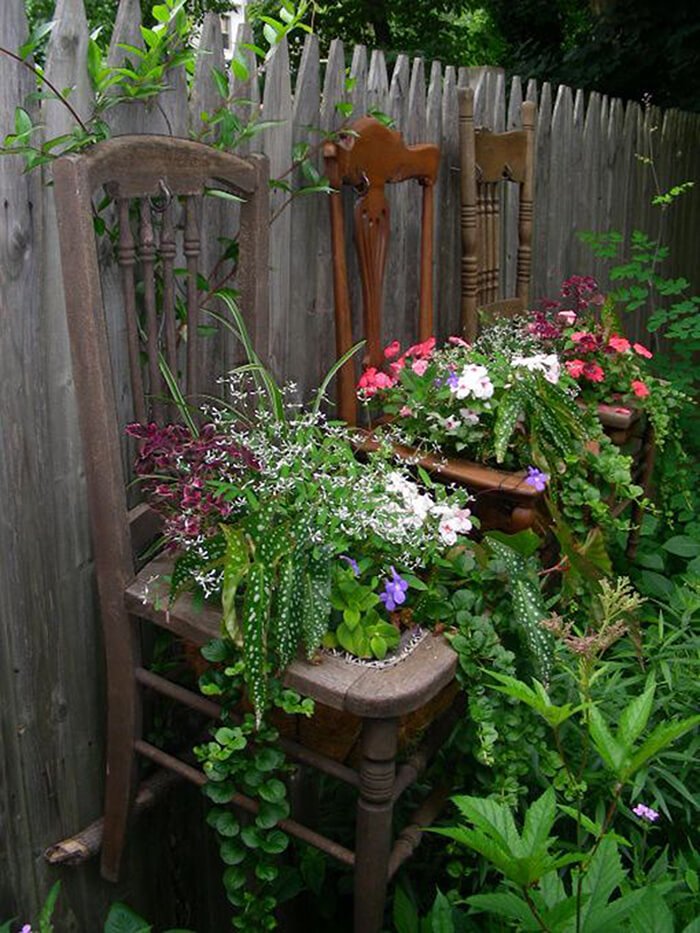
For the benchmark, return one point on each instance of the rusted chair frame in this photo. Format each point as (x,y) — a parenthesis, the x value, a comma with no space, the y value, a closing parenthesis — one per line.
(368,157)
(487,159)
(151,168)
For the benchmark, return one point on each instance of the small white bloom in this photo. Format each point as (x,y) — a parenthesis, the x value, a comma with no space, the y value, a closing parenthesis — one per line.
(473,381)
(469,416)
(546,363)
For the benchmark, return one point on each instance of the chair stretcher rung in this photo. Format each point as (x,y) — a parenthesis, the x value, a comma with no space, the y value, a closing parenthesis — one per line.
(410,837)
(195,776)
(292,749)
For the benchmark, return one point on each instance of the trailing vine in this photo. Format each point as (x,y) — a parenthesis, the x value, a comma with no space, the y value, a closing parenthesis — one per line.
(244,758)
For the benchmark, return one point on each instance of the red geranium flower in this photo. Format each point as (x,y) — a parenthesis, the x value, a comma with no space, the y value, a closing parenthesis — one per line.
(618,343)
(593,372)
(575,368)
(640,389)
(642,350)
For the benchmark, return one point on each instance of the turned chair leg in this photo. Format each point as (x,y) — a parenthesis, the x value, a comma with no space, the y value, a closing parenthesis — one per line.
(123,729)
(373,826)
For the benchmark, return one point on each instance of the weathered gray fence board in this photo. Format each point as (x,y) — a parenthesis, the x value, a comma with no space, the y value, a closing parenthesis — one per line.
(303,329)
(511,198)
(377,82)
(331,119)
(246,90)
(127,117)
(543,131)
(358,75)
(448,248)
(277,143)
(400,318)
(433,134)
(218,220)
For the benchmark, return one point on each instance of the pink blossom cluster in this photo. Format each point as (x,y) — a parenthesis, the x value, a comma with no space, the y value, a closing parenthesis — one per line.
(176,469)
(418,355)
(587,342)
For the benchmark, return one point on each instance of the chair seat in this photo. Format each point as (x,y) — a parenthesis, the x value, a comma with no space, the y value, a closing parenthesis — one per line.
(365,691)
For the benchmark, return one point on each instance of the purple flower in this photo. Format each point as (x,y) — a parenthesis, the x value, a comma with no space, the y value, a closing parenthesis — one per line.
(536,478)
(394,591)
(645,813)
(352,563)
(452,381)
(26,928)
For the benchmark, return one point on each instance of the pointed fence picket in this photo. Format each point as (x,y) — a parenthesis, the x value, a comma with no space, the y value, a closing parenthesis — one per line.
(589,176)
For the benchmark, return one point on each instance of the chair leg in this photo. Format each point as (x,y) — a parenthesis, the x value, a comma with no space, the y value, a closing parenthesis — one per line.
(373,825)
(123,729)
(647,454)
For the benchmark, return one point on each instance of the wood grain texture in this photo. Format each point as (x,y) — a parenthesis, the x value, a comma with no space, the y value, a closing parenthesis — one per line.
(277,145)
(305,328)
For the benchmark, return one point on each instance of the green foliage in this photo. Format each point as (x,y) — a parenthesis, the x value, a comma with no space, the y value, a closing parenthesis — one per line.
(632,49)
(243,757)
(528,604)
(122,919)
(453,31)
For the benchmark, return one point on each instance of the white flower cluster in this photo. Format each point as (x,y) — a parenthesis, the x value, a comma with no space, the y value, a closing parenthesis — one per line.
(472,382)
(417,506)
(546,363)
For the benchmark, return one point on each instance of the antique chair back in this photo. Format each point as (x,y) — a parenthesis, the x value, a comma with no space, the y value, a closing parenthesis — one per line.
(488,162)
(369,156)
(157,184)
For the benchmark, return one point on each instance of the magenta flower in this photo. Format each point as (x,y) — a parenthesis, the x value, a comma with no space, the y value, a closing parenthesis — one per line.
(394,591)
(645,813)
(26,928)
(536,478)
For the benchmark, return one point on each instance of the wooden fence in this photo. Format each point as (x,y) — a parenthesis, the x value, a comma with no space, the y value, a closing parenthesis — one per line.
(589,177)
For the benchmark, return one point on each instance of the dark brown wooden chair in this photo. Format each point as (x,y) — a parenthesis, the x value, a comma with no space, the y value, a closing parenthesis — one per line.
(369,157)
(157,185)
(488,162)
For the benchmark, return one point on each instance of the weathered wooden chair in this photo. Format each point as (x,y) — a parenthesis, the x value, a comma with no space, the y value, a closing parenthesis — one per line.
(167,178)
(369,157)
(488,162)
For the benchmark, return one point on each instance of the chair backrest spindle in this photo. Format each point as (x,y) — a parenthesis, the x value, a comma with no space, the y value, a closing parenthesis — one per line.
(487,161)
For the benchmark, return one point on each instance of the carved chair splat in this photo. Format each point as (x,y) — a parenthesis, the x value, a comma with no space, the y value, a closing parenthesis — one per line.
(167,179)
(488,161)
(369,157)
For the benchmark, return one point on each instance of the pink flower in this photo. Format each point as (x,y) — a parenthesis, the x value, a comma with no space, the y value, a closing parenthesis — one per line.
(372,380)
(566,317)
(397,366)
(642,350)
(640,389)
(392,350)
(419,367)
(422,350)
(457,341)
(593,372)
(585,342)
(618,343)
(575,368)
(405,412)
